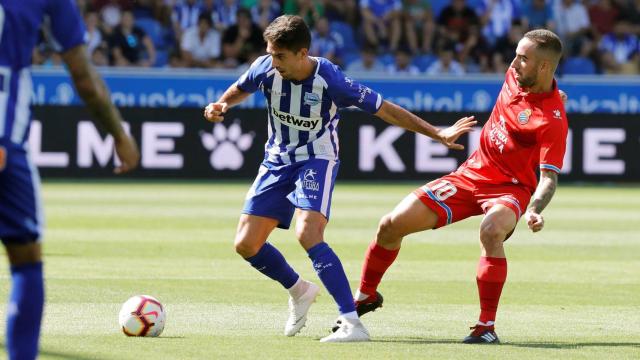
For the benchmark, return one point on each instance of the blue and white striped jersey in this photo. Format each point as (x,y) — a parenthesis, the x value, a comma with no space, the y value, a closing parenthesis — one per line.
(20,22)
(303,115)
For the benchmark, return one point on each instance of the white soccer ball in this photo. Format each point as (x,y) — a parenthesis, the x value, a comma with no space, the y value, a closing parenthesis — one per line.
(142,315)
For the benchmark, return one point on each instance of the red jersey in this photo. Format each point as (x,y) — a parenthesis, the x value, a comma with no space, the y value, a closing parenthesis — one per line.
(525,132)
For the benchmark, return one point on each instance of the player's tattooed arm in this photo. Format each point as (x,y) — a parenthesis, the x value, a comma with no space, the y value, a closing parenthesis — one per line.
(396,115)
(214,112)
(541,198)
(95,94)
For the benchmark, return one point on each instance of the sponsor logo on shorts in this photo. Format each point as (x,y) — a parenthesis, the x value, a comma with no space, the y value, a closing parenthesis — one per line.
(309,182)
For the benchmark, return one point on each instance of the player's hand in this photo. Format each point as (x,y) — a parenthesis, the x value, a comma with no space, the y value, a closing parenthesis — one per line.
(128,154)
(563,97)
(214,112)
(534,221)
(450,135)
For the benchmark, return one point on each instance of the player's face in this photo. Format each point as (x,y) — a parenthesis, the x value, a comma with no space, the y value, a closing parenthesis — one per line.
(286,61)
(526,63)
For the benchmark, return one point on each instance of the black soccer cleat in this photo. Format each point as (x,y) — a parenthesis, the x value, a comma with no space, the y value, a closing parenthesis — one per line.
(369,304)
(482,335)
(363,307)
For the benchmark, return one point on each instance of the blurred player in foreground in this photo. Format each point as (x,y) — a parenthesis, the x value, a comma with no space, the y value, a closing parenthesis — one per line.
(20,208)
(527,130)
(301,162)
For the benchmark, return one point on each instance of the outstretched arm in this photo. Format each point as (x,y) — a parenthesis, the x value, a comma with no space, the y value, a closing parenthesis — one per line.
(95,94)
(396,115)
(541,198)
(214,112)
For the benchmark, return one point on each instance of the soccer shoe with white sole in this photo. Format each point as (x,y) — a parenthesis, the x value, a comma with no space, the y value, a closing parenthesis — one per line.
(362,307)
(298,309)
(482,335)
(349,330)
(369,304)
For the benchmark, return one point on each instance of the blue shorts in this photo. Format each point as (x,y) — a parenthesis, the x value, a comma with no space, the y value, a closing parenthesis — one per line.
(20,207)
(279,189)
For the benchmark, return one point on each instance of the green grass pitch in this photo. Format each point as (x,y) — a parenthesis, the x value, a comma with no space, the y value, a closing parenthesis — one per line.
(573,290)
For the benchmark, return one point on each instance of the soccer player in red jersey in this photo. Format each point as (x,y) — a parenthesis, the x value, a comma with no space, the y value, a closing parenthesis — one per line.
(527,130)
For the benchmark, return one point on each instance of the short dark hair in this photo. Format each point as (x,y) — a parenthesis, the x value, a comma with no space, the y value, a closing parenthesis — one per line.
(288,32)
(547,41)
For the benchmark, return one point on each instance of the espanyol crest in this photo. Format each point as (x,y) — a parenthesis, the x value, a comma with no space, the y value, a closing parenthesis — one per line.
(523,116)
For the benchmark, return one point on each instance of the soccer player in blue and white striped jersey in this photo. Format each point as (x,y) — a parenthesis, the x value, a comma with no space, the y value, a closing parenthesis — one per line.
(301,162)
(20,208)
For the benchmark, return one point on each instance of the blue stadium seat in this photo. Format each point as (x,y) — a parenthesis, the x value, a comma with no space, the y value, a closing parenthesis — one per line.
(386,59)
(343,33)
(162,58)
(349,57)
(424,61)
(154,30)
(578,65)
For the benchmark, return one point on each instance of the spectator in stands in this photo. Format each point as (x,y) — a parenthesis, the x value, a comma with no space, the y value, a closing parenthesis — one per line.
(572,21)
(93,34)
(505,48)
(419,25)
(402,63)
(240,40)
(496,18)
(129,45)
(459,24)
(225,15)
(309,10)
(153,9)
(185,15)
(322,43)
(111,12)
(201,44)
(381,21)
(100,56)
(603,15)
(368,61)
(264,12)
(341,10)
(538,14)
(631,12)
(446,64)
(619,50)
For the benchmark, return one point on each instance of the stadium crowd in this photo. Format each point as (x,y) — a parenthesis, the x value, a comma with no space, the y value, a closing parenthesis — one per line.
(383,36)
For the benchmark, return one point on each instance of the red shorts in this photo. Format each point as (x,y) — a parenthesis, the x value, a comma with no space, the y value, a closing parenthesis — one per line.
(455,197)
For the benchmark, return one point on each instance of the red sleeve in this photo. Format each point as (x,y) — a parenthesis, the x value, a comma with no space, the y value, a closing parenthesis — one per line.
(553,143)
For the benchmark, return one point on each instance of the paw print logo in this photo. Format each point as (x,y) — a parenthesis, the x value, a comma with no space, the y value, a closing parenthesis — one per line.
(227,145)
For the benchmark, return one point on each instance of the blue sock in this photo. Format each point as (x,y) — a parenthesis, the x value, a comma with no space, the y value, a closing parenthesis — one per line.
(330,271)
(270,262)
(24,311)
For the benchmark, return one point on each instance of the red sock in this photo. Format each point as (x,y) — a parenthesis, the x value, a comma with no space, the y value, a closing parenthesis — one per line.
(376,262)
(492,273)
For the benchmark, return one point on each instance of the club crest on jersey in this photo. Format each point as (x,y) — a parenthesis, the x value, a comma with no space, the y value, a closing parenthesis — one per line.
(523,117)
(311,99)
(557,114)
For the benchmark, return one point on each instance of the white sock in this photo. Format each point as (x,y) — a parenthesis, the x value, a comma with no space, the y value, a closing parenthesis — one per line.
(360,296)
(299,288)
(488,323)
(350,315)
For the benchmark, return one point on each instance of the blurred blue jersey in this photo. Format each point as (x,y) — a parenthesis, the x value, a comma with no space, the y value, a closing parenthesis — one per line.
(20,22)
(303,115)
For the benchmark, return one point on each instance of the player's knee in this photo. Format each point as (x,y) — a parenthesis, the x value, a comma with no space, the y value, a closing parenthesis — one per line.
(491,234)
(308,234)
(245,248)
(389,232)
